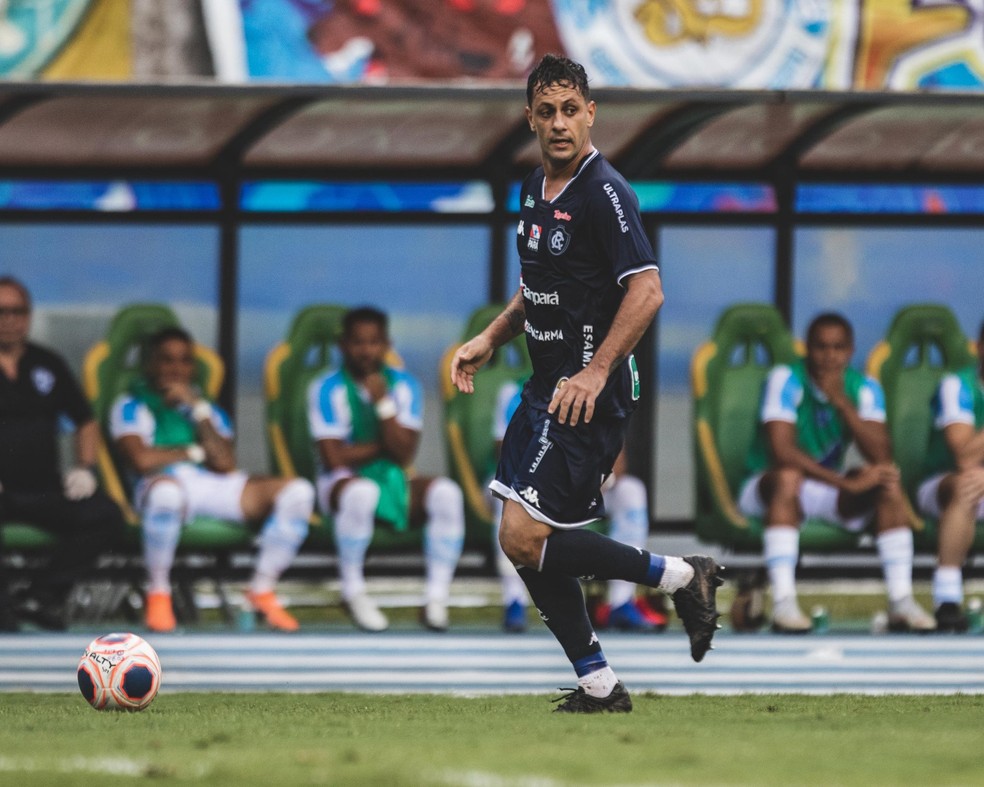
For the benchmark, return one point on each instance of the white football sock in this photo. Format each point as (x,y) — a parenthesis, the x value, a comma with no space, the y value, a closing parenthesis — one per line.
(677,574)
(444,536)
(599,683)
(781,552)
(947,585)
(353,532)
(895,550)
(162,518)
(283,533)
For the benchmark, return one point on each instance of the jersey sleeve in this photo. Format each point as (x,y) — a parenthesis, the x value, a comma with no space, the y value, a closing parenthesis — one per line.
(781,396)
(620,229)
(409,398)
(871,401)
(329,413)
(222,422)
(955,403)
(129,416)
(506,403)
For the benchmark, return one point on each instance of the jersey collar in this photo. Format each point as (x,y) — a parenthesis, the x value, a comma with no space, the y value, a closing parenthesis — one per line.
(580,168)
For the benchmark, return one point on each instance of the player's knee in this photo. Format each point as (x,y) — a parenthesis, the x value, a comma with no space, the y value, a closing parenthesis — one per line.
(968,488)
(445,502)
(295,500)
(786,484)
(357,507)
(521,545)
(165,496)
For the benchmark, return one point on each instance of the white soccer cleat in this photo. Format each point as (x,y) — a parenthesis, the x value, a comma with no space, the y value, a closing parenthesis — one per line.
(365,614)
(434,615)
(789,619)
(907,615)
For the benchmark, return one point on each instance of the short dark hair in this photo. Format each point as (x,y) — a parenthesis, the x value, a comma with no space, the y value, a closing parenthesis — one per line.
(167,334)
(829,318)
(17,284)
(362,314)
(557,70)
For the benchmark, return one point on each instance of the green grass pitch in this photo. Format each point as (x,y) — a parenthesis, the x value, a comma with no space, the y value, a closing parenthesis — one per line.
(364,739)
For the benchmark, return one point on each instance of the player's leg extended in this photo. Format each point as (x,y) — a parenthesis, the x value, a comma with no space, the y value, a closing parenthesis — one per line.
(283,533)
(560,602)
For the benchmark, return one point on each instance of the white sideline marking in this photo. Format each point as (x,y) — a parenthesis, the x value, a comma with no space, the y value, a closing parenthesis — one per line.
(114,766)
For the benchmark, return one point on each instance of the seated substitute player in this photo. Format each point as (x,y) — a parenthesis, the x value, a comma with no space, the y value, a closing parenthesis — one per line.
(590,288)
(954,489)
(811,411)
(625,498)
(366,419)
(178,444)
(38,391)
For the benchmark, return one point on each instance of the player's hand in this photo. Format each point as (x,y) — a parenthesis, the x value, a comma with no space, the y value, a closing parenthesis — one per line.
(375,385)
(869,477)
(79,483)
(467,360)
(572,395)
(832,386)
(179,394)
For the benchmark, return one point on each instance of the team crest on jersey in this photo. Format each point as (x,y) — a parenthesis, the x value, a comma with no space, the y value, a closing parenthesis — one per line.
(43,379)
(558,240)
(529,202)
(533,242)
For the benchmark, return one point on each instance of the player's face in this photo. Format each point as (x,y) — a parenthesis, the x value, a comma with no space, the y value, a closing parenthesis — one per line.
(829,350)
(562,120)
(173,362)
(15,317)
(364,348)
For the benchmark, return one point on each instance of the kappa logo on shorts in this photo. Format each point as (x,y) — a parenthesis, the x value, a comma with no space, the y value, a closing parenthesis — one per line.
(558,240)
(531,496)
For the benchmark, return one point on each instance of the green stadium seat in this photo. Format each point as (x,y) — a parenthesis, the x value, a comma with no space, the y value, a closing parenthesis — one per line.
(923,342)
(108,370)
(468,419)
(727,374)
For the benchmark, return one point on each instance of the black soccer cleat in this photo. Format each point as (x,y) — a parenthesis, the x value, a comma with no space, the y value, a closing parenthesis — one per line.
(579,701)
(695,604)
(950,619)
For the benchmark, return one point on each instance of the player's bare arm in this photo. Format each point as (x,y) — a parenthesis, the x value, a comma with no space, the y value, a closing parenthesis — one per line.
(146,459)
(871,437)
(339,453)
(966,444)
(475,353)
(643,298)
(781,436)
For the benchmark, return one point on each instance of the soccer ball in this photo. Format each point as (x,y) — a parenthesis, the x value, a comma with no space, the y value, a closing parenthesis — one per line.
(119,672)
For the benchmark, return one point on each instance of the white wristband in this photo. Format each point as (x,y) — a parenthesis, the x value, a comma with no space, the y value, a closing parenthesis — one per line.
(195,453)
(386,408)
(201,411)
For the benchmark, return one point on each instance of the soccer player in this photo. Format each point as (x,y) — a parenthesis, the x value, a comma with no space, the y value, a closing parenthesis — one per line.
(625,500)
(178,445)
(954,490)
(811,411)
(366,419)
(590,288)
(38,392)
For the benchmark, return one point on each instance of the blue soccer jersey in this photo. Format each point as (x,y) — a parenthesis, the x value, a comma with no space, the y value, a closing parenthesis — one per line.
(576,251)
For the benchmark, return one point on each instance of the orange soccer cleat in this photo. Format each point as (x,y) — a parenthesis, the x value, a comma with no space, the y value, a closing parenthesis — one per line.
(273,612)
(160,613)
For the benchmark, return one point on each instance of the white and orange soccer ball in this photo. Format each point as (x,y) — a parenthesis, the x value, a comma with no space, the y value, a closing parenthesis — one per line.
(119,672)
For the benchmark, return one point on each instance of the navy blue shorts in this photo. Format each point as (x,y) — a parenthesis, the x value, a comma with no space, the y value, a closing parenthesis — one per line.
(555,470)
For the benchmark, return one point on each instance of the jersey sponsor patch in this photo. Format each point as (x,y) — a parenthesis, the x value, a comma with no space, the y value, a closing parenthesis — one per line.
(558,240)
(533,242)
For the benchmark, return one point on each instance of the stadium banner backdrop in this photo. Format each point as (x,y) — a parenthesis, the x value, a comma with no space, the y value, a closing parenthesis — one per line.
(764,44)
